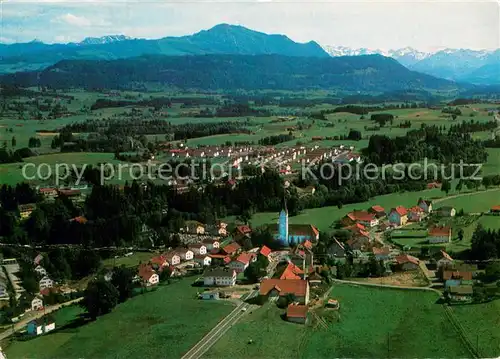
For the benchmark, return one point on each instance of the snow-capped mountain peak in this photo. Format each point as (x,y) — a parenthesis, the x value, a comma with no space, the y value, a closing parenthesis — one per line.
(103,40)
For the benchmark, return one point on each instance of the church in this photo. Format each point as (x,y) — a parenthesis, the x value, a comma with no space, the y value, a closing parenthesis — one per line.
(292,234)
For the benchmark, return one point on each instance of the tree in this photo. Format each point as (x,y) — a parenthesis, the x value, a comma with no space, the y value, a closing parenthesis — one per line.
(14,142)
(492,271)
(122,280)
(459,186)
(460,234)
(165,274)
(99,298)
(446,186)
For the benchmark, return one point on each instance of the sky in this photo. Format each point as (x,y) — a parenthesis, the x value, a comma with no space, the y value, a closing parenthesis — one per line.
(387,24)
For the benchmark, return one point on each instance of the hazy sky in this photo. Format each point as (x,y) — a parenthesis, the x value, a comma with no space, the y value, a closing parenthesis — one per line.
(425,25)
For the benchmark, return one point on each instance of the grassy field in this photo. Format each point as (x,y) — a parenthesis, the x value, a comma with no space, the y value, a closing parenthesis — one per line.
(374,323)
(130,261)
(165,323)
(474,202)
(492,166)
(482,326)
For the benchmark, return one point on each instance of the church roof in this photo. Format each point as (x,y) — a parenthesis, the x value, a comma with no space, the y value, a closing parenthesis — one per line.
(296,229)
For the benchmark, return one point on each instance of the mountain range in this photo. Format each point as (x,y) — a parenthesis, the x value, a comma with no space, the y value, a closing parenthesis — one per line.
(220,39)
(478,67)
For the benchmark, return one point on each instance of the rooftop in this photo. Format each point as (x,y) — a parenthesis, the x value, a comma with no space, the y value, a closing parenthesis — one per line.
(297,311)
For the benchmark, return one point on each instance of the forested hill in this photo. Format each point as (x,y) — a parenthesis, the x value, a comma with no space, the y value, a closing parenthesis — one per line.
(230,72)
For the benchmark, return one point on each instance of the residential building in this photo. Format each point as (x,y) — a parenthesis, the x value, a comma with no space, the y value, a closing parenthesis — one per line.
(381,254)
(48,193)
(148,275)
(426,205)
(336,249)
(211,244)
(378,211)
(172,258)
(185,254)
(25,210)
(461,275)
(159,262)
(203,260)
(195,227)
(398,216)
(460,293)
(363,217)
(41,325)
(439,234)
(40,270)
(265,251)
(223,277)
(37,259)
(241,232)
(242,262)
(297,313)
(231,249)
(298,288)
(198,248)
(36,304)
(415,214)
(444,260)
(446,211)
(46,282)
(357,243)
(407,262)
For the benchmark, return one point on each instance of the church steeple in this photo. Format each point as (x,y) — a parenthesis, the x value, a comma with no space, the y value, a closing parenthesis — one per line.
(283,224)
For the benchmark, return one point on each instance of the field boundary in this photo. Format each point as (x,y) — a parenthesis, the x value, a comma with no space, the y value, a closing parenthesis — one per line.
(461,331)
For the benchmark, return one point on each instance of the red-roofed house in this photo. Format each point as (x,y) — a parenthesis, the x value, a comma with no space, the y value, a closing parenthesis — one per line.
(159,262)
(378,211)
(398,216)
(495,210)
(148,275)
(292,272)
(241,232)
(363,217)
(265,251)
(307,244)
(298,288)
(172,258)
(231,249)
(439,235)
(407,262)
(297,313)
(242,262)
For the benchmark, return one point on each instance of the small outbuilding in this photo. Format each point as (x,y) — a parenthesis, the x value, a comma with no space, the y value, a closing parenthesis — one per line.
(297,313)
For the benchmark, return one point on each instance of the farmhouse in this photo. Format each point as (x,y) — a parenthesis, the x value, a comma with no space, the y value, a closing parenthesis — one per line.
(297,313)
(219,277)
(495,210)
(439,235)
(363,217)
(298,288)
(444,260)
(415,214)
(407,262)
(198,248)
(398,216)
(425,205)
(41,325)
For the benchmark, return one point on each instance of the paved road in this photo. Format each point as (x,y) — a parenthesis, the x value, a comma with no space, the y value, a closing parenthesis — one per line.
(218,331)
(388,286)
(29,317)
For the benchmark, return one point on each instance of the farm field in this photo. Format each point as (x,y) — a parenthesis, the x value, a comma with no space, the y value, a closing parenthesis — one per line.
(130,261)
(482,326)
(492,166)
(394,324)
(474,202)
(155,324)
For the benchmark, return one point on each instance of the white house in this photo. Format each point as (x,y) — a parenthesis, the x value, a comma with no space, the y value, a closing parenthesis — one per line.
(198,248)
(148,275)
(425,205)
(241,262)
(219,277)
(46,282)
(211,244)
(40,270)
(36,304)
(439,234)
(203,260)
(173,258)
(185,254)
(41,326)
